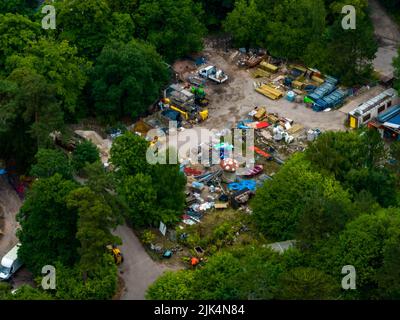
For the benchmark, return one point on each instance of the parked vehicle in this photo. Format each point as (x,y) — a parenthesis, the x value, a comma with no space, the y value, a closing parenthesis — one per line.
(10,263)
(258,168)
(214,74)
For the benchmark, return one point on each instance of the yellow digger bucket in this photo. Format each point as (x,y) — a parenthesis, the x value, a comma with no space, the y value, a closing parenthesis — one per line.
(203,114)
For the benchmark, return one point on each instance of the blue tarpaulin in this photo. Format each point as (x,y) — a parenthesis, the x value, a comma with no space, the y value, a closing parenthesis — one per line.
(243,184)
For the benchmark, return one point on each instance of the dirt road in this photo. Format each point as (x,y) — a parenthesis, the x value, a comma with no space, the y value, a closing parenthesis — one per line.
(388,35)
(138,270)
(9,206)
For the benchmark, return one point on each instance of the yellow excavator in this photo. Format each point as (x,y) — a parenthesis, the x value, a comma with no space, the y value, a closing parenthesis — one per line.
(117,254)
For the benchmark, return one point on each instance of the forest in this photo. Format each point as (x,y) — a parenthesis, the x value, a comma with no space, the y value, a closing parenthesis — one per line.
(109,60)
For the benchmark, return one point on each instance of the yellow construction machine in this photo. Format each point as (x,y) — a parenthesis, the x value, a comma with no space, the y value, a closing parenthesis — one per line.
(117,254)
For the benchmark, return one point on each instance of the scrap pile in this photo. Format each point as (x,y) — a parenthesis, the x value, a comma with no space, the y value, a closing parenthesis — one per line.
(250,59)
(279,137)
(220,185)
(204,192)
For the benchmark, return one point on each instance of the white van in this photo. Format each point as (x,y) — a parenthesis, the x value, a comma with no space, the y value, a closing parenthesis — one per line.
(10,263)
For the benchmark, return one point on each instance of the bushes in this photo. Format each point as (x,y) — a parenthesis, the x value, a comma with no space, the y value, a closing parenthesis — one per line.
(50,162)
(85,152)
(100,285)
(172,286)
(280,203)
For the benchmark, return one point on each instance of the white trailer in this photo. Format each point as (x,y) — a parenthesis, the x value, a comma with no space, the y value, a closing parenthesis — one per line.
(10,263)
(372,108)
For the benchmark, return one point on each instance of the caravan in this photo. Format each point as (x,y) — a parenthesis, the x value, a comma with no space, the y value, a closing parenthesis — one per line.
(10,263)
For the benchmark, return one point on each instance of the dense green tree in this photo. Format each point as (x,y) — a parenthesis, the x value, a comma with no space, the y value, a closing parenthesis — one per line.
(124,6)
(5,291)
(18,6)
(16,32)
(95,220)
(59,64)
(26,292)
(48,226)
(103,182)
(378,181)
(127,79)
(169,184)
(307,284)
(242,273)
(355,158)
(8,91)
(173,27)
(358,47)
(259,271)
(363,244)
(36,103)
(85,24)
(216,11)
(172,286)
(288,29)
(50,162)
(123,27)
(153,193)
(139,195)
(128,154)
(394,162)
(321,218)
(336,153)
(244,23)
(100,285)
(295,25)
(280,203)
(29,112)
(85,152)
(389,275)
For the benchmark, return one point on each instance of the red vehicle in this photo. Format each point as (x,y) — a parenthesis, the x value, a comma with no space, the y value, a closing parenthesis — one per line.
(254,171)
(261,152)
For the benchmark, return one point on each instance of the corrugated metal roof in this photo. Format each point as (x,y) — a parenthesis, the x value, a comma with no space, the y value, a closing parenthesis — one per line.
(394,122)
(389,114)
(372,103)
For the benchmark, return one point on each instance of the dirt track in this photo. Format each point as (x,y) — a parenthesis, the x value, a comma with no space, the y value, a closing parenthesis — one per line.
(138,270)
(9,206)
(388,34)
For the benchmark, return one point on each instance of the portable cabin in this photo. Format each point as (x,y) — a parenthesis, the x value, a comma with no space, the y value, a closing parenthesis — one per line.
(372,108)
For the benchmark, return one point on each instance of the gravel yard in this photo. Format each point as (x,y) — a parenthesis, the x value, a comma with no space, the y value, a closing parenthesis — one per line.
(233,100)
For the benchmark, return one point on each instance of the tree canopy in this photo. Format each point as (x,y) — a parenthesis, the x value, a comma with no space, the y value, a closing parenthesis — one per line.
(127,79)
(48,226)
(173,27)
(276,211)
(49,162)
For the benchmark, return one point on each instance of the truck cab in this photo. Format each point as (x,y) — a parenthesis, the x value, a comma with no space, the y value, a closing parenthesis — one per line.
(10,263)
